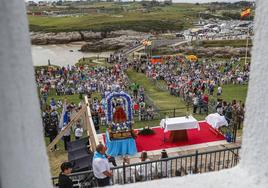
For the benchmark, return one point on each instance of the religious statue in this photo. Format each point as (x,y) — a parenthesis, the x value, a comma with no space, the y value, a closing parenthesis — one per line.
(119,115)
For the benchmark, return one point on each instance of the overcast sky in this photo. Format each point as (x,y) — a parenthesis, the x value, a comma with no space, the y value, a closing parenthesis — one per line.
(183,1)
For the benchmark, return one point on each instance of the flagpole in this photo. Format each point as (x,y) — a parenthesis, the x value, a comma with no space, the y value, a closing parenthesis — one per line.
(246,55)
(247,46)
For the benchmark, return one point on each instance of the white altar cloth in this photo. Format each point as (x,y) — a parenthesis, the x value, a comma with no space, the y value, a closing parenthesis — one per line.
(179,123)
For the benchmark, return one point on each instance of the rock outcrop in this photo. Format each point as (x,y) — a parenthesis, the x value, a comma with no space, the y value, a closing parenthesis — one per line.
(108,44)
(55,38)
(40,38)
(89,35)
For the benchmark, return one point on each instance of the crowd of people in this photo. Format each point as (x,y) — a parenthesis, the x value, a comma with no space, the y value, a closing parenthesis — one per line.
(145,171)
(85,80)
(79,80)
(233,112)
(196,81)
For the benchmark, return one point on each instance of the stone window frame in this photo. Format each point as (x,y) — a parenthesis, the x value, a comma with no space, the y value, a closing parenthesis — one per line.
(23,158)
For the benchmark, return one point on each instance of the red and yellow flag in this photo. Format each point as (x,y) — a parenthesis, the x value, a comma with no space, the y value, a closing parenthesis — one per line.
(245,12)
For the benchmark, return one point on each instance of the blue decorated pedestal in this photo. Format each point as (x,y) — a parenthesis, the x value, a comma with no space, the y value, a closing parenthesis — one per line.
(116,147)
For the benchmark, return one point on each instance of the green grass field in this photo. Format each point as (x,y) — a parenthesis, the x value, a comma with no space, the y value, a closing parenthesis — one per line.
(161,98)
(93,62)
(160,18)
(140,16)
(237,92)
(56,158)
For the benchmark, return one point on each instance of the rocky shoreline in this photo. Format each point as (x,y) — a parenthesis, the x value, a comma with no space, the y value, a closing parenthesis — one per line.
(95,41)
(218,52)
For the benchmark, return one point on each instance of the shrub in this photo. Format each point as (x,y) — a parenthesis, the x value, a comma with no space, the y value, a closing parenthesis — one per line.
(146,131)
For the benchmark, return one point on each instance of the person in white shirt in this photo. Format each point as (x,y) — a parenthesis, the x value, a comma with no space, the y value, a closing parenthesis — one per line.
(78,133)
(101,167)
(195,103)
(59,103)
(66,137)
(219,91)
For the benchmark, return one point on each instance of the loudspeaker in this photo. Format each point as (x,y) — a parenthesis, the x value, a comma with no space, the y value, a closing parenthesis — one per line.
(82,163)
(78,144)
(80,155)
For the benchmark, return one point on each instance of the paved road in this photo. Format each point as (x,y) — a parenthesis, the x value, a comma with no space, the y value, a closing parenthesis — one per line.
(179,43)
(137,48)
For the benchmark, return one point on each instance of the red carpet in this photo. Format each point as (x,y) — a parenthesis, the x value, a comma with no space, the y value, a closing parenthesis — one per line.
(155,142)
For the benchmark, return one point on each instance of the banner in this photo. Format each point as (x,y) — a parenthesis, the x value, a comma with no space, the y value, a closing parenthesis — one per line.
(64,119)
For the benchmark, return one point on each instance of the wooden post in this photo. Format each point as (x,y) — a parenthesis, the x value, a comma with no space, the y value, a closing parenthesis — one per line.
(91,131)
(60,135)
(84,121)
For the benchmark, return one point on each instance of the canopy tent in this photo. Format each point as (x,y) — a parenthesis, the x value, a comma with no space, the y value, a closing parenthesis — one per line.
(180,58)
(156,59)
(194,30)
(192,58)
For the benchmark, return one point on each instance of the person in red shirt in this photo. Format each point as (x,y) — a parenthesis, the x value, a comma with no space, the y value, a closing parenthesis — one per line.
(136,107)
(205,98)
(205,102)
(100,110)
(82,68)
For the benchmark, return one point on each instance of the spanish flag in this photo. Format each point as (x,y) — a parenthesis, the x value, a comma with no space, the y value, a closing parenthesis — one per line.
(245,12)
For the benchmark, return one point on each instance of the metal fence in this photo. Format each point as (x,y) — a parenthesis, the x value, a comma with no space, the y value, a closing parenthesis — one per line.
(199,162)
(160,114)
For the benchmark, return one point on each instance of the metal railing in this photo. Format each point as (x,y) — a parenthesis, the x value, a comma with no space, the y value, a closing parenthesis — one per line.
(159,114)
(198,162)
